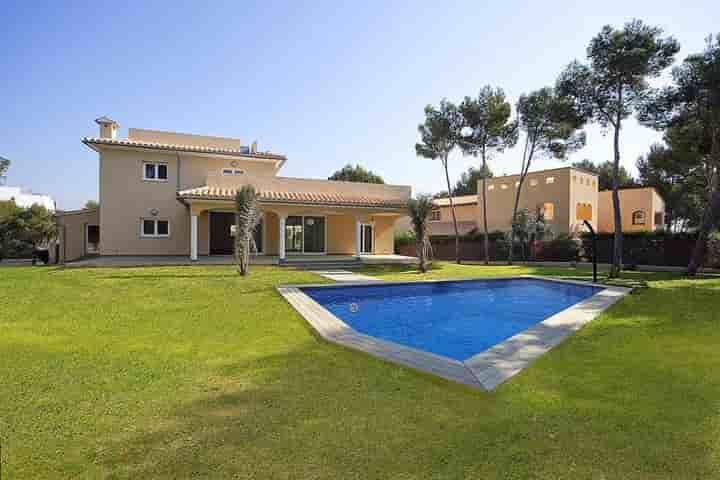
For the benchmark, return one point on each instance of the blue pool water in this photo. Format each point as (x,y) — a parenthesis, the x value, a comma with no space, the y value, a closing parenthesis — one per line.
(454,319)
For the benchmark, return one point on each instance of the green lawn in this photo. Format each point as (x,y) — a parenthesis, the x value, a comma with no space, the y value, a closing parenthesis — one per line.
(194,372)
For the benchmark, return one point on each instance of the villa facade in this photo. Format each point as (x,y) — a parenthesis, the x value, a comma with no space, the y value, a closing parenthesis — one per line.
(563,195)
(166,193)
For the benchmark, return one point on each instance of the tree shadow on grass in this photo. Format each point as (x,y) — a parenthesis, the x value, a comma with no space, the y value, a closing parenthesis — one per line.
(319,412)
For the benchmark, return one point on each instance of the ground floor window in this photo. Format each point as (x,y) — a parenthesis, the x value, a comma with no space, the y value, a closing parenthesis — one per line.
(154,228)
(305,234)
(638,217)
(548,211)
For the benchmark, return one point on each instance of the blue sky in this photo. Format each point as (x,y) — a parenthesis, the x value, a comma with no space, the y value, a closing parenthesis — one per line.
(323,82)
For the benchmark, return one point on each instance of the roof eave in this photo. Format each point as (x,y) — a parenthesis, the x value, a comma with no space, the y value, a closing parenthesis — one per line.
(215,198)
(279,160)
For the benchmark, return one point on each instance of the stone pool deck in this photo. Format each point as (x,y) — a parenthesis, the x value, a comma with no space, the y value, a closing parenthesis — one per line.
(485,370)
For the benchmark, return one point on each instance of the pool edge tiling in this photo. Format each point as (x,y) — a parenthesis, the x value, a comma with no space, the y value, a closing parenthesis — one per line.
(484,370)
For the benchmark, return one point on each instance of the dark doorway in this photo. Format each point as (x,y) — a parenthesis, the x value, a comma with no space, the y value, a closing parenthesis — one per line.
(92,239)
(221,241)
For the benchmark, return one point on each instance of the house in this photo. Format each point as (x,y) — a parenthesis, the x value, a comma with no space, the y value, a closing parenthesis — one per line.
(560,194)
(642,210)
(167,193)
(466,214)
(25,198)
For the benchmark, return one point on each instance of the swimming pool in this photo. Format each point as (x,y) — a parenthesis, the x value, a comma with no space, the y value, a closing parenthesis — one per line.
(455,319)
(478,332)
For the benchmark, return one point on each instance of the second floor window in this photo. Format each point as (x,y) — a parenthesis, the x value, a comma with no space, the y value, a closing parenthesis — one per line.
(232,171)
(435,216)
(156,172)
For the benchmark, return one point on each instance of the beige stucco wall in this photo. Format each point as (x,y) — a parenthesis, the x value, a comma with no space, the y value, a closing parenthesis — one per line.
(631,200)
(500,201)
(583,191)
(175,138)
(125,198)
(71,232)
(463,213)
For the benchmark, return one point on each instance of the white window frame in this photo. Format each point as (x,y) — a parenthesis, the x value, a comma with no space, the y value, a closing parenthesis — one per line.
(229,172)
(155,229)
(157,170)
(303,252)
(642,215)
(362,237)
(550,180)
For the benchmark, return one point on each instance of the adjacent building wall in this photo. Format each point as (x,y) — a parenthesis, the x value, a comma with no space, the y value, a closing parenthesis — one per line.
(632,200)
(71,232)
(467,212)
(559,187)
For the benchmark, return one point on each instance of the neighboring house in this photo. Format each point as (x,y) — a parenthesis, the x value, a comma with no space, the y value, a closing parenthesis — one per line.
(561,194)
(466,214)
(25,198)
(166,193)
(642,209)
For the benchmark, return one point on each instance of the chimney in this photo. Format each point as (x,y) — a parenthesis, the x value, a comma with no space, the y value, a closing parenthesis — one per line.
(108,127)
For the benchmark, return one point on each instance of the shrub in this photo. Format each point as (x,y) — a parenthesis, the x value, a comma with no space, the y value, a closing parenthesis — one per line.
(563,248)
(712,258)
(404,238)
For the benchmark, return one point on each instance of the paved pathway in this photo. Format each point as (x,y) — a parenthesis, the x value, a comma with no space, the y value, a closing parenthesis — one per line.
(345,276)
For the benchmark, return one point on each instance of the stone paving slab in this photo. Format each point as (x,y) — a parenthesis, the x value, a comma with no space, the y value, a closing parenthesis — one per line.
(484,371)
(345,276)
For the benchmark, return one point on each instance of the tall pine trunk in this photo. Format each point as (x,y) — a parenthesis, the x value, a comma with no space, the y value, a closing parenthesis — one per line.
(711,218)
(452,210)
(514,219)
(486,240)
(618,239)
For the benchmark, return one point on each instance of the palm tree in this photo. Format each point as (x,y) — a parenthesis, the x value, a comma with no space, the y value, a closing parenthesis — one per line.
(247,217)
(419,209)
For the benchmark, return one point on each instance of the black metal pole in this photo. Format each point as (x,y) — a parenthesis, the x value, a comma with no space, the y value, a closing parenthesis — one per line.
(594,241)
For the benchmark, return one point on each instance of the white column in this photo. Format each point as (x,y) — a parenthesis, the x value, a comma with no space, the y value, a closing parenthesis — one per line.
(358,235)
(193,237)
(281,238)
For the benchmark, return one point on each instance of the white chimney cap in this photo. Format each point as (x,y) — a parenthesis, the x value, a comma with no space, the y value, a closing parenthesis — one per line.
(105,121)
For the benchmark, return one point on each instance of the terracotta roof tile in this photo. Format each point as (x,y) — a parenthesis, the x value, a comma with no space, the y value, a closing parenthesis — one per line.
(126,142)
(459,200)
(271,196)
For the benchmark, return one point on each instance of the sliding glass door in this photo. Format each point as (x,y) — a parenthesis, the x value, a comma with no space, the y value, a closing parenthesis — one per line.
(293,235)
(314,234)
(366,238)
(305,234)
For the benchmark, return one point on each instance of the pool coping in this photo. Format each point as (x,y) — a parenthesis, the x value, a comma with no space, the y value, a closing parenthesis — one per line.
(484,370)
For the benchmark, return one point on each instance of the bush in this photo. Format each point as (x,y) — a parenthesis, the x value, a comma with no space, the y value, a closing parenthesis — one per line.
(563,248)
(712,258)
(404,238)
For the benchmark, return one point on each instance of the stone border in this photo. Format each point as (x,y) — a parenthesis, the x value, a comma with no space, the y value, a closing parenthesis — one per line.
(485,370)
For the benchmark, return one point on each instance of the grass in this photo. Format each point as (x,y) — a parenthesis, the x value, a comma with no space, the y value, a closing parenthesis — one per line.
(194,372)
